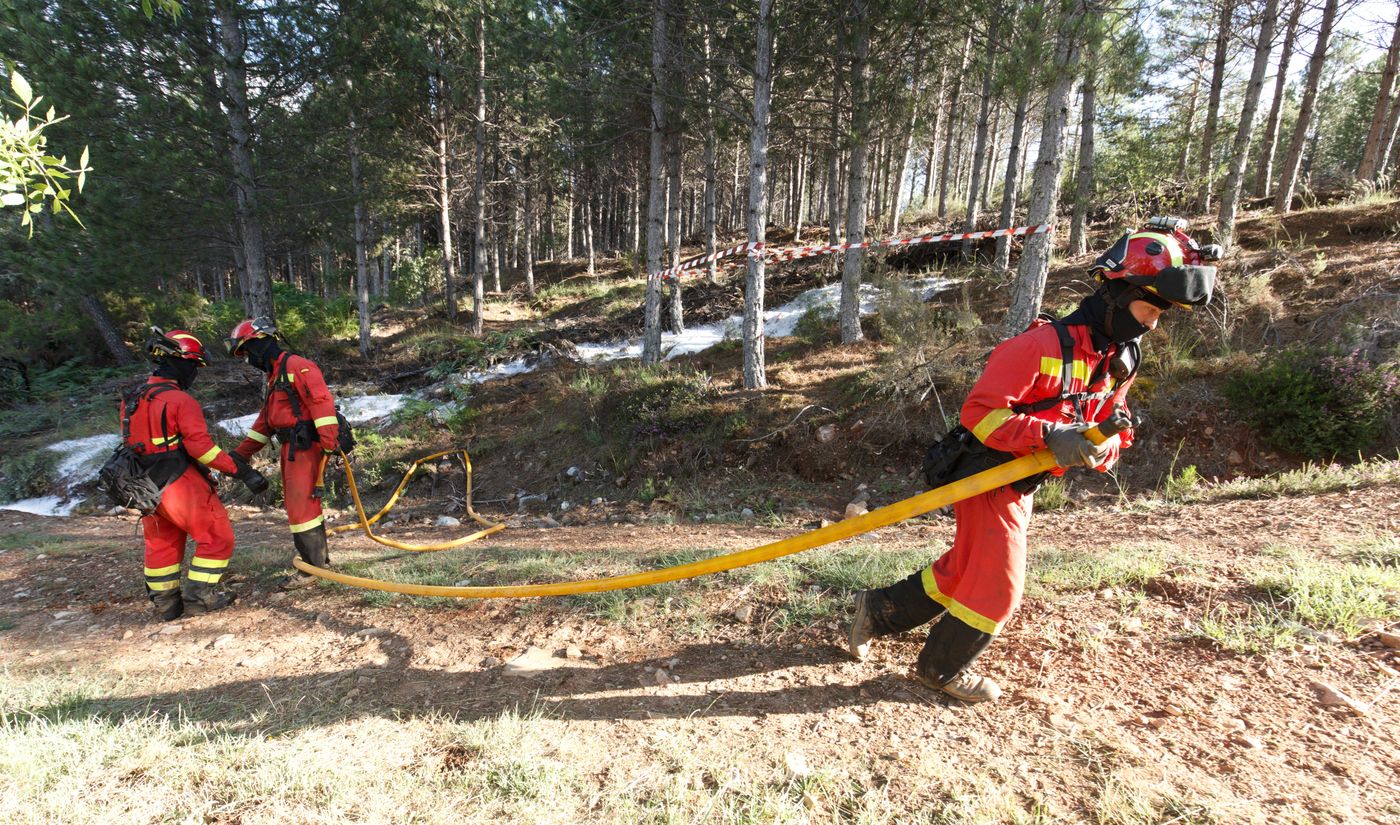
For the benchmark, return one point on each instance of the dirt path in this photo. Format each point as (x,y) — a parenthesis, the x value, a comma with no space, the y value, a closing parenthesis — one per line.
(1115,704)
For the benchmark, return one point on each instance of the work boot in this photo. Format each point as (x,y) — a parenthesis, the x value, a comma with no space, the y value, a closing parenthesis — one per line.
(902,606)
(168,603)
(202,597)
(951,647)
(311,547)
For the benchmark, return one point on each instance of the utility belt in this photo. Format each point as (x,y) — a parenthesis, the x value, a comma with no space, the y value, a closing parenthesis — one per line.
(960,454)
(298,437)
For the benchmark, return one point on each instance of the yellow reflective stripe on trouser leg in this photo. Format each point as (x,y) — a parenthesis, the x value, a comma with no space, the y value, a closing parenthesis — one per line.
(170,585)
(259,437)
(989,424)
(307,525)
(962,612)
(209,456)
(211,578)
(162,571)
(323,421)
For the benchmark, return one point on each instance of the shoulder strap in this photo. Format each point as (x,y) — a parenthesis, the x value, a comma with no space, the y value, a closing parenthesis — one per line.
(282,381)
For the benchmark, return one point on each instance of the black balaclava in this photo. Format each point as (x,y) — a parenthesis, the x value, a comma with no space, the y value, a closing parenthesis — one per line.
(1119,324)
(181,370)
(262,353)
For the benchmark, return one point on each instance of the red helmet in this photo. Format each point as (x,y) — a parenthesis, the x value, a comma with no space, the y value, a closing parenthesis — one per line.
(247,330)
(177,343)
(1164,262)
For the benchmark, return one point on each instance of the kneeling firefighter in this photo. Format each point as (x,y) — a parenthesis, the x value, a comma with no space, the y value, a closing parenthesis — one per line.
(298,410)
(1040,389)
(164,426)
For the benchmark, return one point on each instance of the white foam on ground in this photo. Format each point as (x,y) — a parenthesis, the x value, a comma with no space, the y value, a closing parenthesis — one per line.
(43,506)
(83,457)
(359,409)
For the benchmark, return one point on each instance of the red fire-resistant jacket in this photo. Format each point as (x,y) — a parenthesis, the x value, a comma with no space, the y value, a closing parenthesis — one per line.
(171,420)
(304,378)
(1028,368)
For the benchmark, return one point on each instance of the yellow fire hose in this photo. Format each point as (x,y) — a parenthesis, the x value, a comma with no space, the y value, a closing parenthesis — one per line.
(365,522)
(1003,474)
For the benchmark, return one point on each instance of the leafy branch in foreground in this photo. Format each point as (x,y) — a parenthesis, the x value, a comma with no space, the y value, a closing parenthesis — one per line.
(30,177)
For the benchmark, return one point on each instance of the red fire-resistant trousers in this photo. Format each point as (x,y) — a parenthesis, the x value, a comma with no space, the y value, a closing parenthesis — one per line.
(188,508)
(299,489)
(981,577)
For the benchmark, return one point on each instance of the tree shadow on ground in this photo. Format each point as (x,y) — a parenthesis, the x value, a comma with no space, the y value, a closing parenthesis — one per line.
(259,707)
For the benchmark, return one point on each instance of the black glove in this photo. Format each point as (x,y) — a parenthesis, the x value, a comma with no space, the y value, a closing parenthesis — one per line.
(254,480)
(1071,448)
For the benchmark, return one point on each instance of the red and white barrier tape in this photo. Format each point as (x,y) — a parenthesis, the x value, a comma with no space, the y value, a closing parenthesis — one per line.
(797,253)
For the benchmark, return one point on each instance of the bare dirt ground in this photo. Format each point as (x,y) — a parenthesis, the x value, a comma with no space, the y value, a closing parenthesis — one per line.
(1115,709)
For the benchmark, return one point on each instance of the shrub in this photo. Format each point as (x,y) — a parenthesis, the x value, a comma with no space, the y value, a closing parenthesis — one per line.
(27,474)
(1316,405)
(670,403)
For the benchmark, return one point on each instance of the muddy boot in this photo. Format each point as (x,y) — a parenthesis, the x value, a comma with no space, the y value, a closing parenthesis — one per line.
(202,597)
(311,547)
(902,606)
(953,645)
(168,603)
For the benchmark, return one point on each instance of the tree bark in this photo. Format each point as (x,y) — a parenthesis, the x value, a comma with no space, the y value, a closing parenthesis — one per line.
(907,148)
(856,177)
(1183,162)
(1371,157)
(1012,185)
(1288,174)
(361,260)
(711,159)
(1045,191)
(479,185)
(1263,176)
(754,366)
(952,122)
(444,196)
(528,255)
(257,283)
(1206,165)
(1239,152)
(673,235)
(656,222)
(979,151)
(1084,176)
(107,329)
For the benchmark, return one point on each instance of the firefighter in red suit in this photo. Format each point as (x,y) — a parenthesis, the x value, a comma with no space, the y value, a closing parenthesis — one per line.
(1041,389)
(300,413)
(165,426)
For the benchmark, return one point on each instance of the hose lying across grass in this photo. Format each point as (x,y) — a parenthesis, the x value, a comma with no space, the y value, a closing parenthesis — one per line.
(1003,474)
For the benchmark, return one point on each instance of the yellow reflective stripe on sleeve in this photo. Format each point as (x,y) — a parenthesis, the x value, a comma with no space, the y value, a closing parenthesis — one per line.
(1055,367)
(989,424)
(162,571)
(324,421)
(162,585)
(259,437)
(962,612)
(208,564)
(209,456)
(307,525)
(210,578)
(1172,245)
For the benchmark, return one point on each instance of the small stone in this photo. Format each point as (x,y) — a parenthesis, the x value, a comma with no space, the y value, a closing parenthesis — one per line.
(1248,742)
(532,660)
(279,596)
(747,512)
(256,661)
(1389,639)
(826,522)
(826,433)
(462,583)
(573,652)
(370,632)
(41,557)
(378,660)
(597,501)
(127,634)
(1332,696)
(564,506)
(856,508)
(489,662)
(547,523)
(744,613)
(171,629)
(448,521)
(222,641)
(662,677)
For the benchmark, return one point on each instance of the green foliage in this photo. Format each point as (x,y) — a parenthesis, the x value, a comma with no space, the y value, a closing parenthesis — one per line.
(1053,494)
(27,474)
(415,279)
(817,324)
(1325,595)
(30,177)
(1180,485)
(668,402)
(1316,405)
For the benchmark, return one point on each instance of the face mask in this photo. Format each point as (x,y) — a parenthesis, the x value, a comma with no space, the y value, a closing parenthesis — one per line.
(1119,323)
(261,352)
(181,370)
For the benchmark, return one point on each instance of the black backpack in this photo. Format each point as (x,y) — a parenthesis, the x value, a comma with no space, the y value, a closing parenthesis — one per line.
(132,480)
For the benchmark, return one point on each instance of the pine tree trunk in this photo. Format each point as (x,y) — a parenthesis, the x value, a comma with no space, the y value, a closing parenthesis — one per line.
(1234,180)
(907,148)
(1045,191)
(444,198)
(948,131)
(1206,165)
(107,329)
(1263,176)
(1391,127)
(257,284)
(833,163)
(1084,176)
(361,260)
(528,255)
(1012,184)
(803,164)
(754,366)
(979,150)
(479,187)
(674,234)
(1371,157)
(1183,161)
(656,220)
(856,177)
(1288,173)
